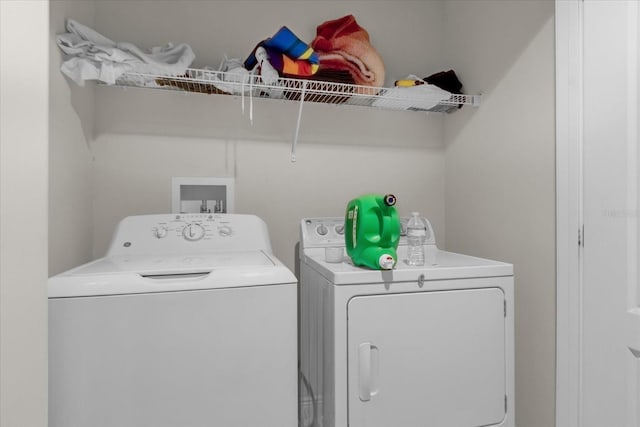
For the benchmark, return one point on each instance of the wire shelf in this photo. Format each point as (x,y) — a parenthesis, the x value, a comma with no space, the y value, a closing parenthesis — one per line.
(205,81)
(417,98)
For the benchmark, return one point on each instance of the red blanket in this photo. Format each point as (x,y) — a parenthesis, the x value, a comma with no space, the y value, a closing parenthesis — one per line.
(343,45)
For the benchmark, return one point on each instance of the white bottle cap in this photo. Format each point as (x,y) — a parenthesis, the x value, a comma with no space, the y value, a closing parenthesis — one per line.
(386,262)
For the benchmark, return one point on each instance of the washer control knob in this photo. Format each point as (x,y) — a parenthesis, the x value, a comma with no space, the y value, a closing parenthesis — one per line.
(193,232)
(161,231)
(340,229)
(322,230)
(225,231)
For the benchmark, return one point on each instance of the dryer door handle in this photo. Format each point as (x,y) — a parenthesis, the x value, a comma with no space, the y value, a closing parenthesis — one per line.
(367,371)
(364,377)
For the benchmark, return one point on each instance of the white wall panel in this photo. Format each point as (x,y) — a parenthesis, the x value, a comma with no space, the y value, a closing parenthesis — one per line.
(24,93)
(500,172)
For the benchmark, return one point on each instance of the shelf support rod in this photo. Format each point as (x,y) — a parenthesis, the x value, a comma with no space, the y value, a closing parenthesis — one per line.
(295,138)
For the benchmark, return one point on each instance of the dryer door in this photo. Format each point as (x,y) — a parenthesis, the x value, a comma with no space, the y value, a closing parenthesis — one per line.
(427,359)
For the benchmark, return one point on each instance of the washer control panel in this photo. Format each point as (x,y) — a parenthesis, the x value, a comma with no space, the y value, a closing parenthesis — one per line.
(170,233)
(193,227)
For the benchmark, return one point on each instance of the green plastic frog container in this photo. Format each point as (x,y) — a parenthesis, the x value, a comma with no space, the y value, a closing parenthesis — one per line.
(372,231)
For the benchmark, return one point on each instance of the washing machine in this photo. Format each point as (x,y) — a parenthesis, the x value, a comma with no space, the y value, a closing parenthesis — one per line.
(189,320)
(428,346)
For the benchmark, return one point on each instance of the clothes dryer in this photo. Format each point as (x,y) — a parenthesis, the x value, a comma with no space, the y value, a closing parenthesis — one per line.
(427,346)
(189,320)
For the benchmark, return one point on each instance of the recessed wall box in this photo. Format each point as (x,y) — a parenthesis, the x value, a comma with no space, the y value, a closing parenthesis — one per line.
(202,195)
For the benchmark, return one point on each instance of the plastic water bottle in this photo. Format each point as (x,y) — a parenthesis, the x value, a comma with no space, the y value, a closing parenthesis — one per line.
(416,235)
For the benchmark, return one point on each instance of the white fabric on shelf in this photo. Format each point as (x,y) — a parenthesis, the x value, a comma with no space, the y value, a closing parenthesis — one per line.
(234,81)
(95,57)
(423,96)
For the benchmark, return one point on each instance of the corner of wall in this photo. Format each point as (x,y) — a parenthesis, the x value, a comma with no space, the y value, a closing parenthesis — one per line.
(71,128)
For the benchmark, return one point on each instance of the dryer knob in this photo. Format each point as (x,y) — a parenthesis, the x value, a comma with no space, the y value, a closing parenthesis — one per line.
(340,229)
(322,230)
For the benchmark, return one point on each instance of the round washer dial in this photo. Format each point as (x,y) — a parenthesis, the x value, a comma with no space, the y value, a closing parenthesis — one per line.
(193,232)
(225,231)
(161,231)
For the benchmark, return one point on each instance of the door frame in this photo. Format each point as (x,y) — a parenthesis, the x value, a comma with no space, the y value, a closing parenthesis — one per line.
(570,213)
(569,220)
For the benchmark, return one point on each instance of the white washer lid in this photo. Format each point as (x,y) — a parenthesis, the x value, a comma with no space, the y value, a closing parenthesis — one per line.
(136,274)
(439,265)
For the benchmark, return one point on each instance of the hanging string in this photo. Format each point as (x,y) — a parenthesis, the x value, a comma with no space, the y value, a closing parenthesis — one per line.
(295,138)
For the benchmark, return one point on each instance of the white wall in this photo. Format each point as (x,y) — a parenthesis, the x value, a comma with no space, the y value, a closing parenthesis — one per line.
(500,172)
(24,93)
(71,115)
(343,151)
(490,169)
(406,32)
(133,176)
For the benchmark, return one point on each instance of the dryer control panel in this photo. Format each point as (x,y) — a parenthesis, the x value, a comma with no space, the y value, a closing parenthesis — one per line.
(318,232)
(329,231)
(171,233)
